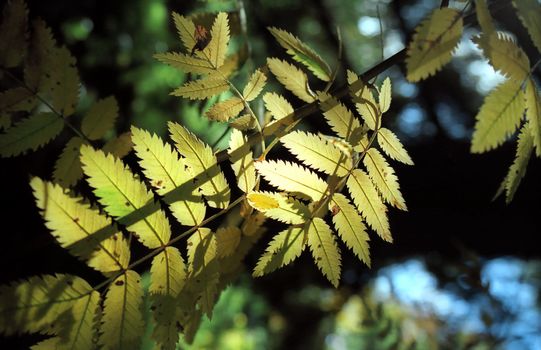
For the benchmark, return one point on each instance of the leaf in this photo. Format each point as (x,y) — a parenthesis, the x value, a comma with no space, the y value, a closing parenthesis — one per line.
(228,239)
(169,177)
(350,227)
(385,95)
(499,116)
(324,249)
(316,152)
(433,43)
(202,162)
(166,321)
(366,199)
(242,161)
(67,169)
(13,33)
(484,18)
(285,247)
(340,118)
(125,197)
(517,170)
(302,53)
(185,29)
(17,99)
(277,105)
(81,229)
(504,55)
(63,81)
(533,114)
(279,207)
(292,177)
(33,305)
(122,323)
(203,268)
(30,134)
(243,123)
(384,178)
(167,273)
(224,110)
(368,108)
(217,47)
(5,122)
(119,146)
(100,118)
(185,63)
(255,85)
(291,77)
(391,145)
(201,89)
(42,45)
(529,13)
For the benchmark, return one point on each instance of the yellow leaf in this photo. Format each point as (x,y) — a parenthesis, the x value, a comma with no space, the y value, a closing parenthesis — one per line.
(119,146)
(483,17)
(185,30)
(391,145)
(100,118)
(366,199)
(203,164)
(167,273)
(277,105)
(67,169)
(302,53)
(433,43)
(255,85)
(243,123)
(292,78)
(167,174)
(242,161)
(122,322)
(385,95)
(517,170)
(217,47)
(279,207)
(350,227)
(228,239)
(201,89)
(316,152)
(324,249)
(125,197)
(499,116)
(185,63)
(285,247)
(384,178)
(529,13)
(224,110)
(292,177)
(340,119)
(533,114)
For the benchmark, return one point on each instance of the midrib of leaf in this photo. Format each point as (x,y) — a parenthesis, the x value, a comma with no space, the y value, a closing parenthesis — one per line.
(391,192)
(167,279)
(390,144)
(437,40)
(350,224)
(80,325)
(329,263)
(32,133)
(123,316)
(369,201)
(337,163)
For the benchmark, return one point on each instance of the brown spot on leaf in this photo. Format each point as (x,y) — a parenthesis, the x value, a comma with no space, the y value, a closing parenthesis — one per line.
(119,283)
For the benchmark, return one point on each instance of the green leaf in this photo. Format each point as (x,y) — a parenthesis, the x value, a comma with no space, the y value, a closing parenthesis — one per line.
(285,247)
(391,145)
(255,85)
(119,146)
(122,323)
(224,110)
(81,229)
(292,78)
(125,197)
(63,81)
(499,116)
(533,114)
(529,13)
(13,33)
(316,152)
(242,161)
(279,207)
(302,53)
(201,89)
(433,43)
(17,99)
(350,227)
(277,105)
(37,66)
(167,273)
(517,170)
(30,134)
(167,173)
(324,249)
(366,199)
(67,169)
(203,164)
(100,118)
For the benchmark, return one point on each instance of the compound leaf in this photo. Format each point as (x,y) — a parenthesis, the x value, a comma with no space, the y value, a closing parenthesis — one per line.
(277,105)
(202,88)
(291,77)
(324,249)
(279,207)
(255,85)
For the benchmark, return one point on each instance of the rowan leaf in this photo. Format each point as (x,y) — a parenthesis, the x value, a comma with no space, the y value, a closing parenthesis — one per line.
(243,123)
(201,89)
(185,63)
(317,153)
(119,146)
(217,47)
(277,105)
(366,198)
(227,239)
(167,273)
(391,145)
(340,118)
(13,33)
(203,164)
(242,161)
(385,95)
(185,29)
(292,78)
(255,85)
(302,53)
(324,249)
(433,43)
(168,175)
(125,197)
(279,207)
(100,118)
(525,145)
(483,17)
(533,114)
(30,134)
(529,13)
(350,227)
(17,99)
(499,116)
(62,80)
(122,323)
(224,110)
(67,169)
(285,247)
